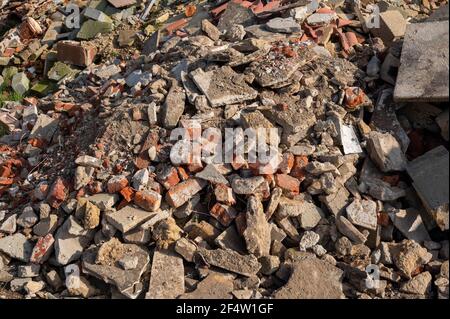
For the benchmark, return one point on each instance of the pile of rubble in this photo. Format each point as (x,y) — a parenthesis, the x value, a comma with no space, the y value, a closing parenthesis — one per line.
(93,204)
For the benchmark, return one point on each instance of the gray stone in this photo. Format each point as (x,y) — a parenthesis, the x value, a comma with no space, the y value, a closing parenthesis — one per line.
(126,281)
(167,276)
(173,107)
(128,218)
(392,26)
(283,25)
(211,174)
(83,176)
(363,213)
(310,215)
(424,69)
(246,186)
(46,225)
(321,18)
(419,285)
(346,228)
(140,179)
(215,286)
(16,246)
(309,239)
(232,261)
(28,218)
(336,202)
(257,234)
(138,77)
(270,264)
(152,44)
(312,278)
(44,128)
(442,121)
(88,161)
(28,271)
(230,239)
(236,14)
(20,83)
(210,30)
(9,225)
(104,201)
(129,262)
(186,249)
(17,284)
(386,152)
(430,174)
(70,241)
(410,224)
(223,86)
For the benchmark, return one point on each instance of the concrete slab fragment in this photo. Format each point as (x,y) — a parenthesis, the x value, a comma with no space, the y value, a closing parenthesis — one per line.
(424,70)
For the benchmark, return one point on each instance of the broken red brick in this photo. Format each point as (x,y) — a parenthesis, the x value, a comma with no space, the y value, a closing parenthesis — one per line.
(181,193)
(354,97)
(168,177)
(289,184)
(352,40)
(383,219)
(5,171)
(184,176)
(392,180)
(148,200)
(287,164)
(43,249)
(58,193)
(117,183)
(191,10)
(6,181)
(176,25)
(73,52)
(127,193)
(299,169)
(225,195)
(224,214)
(29,29)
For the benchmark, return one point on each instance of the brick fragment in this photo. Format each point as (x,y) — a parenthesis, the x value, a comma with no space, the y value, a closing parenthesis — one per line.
(117,183)
(58,193)
(148,200)
(73,52)
(290,185)
(181,193)
(225,195)
(43,249)
(224,214)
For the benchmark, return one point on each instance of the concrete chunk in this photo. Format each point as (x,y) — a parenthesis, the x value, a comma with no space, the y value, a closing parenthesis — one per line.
(430,174)
(223,86)
(424,68)
(128,218)
(167,276)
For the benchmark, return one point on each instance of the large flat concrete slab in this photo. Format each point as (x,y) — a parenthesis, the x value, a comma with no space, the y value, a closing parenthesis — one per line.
(424,72)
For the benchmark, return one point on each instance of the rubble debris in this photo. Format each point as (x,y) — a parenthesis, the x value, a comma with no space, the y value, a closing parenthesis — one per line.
(100,126)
